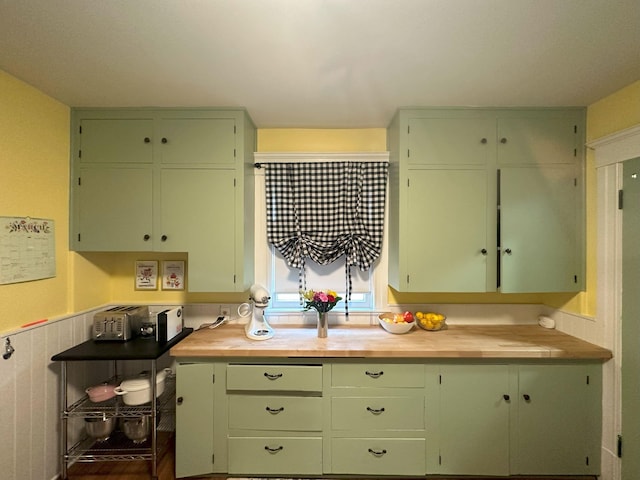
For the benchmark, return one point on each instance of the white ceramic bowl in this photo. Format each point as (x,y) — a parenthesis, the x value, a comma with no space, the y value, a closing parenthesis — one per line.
(397,328)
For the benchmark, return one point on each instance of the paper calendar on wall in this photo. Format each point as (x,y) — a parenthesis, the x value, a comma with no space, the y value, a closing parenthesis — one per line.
(27,249)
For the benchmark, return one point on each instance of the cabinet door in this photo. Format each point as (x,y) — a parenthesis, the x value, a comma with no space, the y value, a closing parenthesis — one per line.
(474,420)
(115,140)
(114,209)
(194,419)
(537,141)
(197,141)
(198,216)
(450,141)
(447,243)
(559,420)
(538,223)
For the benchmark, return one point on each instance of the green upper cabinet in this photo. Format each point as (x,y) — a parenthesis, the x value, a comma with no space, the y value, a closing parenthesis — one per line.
(485,200)
(114,140)
(197,139)
(167,180)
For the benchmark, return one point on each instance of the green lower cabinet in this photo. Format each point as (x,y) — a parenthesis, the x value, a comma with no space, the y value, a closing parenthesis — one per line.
(194,419)
(474,420)
(261,456)
(558,420)
(378,456)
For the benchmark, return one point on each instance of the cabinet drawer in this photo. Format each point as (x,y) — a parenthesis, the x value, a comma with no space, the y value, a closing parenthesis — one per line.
(261,456)
(378,456)
(378,375)
(297,378)
(377,413)
(275,413)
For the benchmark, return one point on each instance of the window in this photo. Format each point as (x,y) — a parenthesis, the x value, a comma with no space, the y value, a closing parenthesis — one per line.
(369,289)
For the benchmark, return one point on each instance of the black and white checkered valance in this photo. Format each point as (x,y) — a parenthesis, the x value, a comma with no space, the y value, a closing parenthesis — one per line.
(326,210)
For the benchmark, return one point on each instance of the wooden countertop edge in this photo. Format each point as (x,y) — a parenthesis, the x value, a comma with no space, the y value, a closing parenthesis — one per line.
(363,341)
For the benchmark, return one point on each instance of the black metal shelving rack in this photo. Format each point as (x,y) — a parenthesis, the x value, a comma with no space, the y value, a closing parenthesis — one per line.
(118,447)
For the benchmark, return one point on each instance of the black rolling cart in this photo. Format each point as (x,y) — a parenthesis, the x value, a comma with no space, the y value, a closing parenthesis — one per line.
(117,448)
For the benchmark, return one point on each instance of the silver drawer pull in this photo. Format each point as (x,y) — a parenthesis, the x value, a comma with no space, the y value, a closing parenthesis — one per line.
(375,411)
(377,453)
(273,450)
(274,411)
(374,374)
(272,376)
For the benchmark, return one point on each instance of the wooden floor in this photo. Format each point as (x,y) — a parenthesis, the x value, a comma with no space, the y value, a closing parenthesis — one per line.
(166,471)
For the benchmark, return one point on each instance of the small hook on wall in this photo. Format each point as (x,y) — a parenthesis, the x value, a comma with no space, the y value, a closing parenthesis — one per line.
(8,349)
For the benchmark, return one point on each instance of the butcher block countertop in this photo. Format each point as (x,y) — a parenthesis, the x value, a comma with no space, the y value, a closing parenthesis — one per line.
(357,341)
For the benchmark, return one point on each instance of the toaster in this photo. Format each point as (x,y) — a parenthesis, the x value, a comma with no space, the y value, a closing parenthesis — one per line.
(119,323)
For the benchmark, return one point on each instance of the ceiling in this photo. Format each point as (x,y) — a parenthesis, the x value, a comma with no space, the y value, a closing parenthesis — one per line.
(322,63)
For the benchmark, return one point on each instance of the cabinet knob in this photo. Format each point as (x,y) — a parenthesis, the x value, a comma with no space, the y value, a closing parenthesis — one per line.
(146,237)
(526,397)
(506,397)
(164,238)
(164,140)
(507,251)
(483,141)
(503,140)
(147,140)
(179,400)
(483,251)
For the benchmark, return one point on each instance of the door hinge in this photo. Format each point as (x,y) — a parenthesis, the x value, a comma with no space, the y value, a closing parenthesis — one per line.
(575,129)
(407,279)
(213,458)
(408,182)
(80,129)
(408,129)
(79,181)
(234,153)
(619,446)
(234,129)
(620,199)
(213,378)
(408,153)
(575,182)
(234,278)
(440,379)
(78,237)
(586,461)
(234,183)
(79,153)
(588,379)
(575,152)
(439,459)
(575,279)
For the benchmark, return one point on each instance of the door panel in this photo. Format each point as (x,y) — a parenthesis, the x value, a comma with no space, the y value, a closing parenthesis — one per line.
(538,226)
(630,367)
(449,211)
(117,140)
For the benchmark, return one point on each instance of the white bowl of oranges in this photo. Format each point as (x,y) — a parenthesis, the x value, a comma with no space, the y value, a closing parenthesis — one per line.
(397,323)
(431,321)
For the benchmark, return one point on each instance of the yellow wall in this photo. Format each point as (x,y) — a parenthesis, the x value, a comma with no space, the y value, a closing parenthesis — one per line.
(34,181)
(322,140)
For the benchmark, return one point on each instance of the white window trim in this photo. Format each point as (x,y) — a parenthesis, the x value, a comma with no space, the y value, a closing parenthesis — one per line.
(262,251)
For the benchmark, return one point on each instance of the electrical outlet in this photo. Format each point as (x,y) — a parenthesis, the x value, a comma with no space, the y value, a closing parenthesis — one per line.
(225,310)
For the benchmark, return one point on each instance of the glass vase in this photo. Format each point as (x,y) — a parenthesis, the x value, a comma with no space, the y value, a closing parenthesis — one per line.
(323,324)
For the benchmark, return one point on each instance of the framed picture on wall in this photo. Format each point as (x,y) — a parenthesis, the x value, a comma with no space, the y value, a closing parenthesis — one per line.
(146,275)
(173,275)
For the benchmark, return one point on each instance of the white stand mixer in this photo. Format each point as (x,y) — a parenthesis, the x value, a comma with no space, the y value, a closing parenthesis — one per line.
(257,328)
